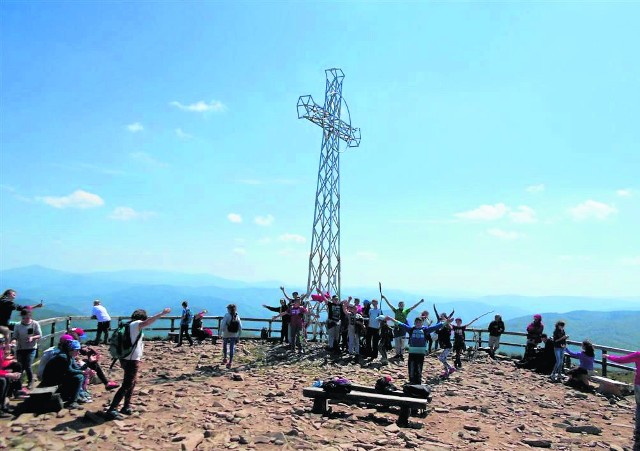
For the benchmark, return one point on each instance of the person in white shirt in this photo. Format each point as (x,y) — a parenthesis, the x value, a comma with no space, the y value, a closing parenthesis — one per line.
(99,312)
(372,340)
(131,363)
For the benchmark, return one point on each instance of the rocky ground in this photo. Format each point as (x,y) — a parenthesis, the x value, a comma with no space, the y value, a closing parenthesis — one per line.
(186,400)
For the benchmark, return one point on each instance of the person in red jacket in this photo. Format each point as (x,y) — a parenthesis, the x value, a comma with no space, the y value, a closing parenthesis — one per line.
(6,377)
(634,357)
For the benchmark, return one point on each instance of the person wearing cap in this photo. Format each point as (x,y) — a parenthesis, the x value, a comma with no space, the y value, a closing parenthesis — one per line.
(99,312)
(60,371)
(90,360)
(27,333)
(131,363)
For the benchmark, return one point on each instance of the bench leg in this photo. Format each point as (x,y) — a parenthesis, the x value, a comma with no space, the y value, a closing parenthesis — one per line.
(403,417)
(320,405)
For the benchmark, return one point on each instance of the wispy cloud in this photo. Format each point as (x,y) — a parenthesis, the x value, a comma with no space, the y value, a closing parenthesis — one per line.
(536,188)
(234,217)
(624,192)
(265,240)
(15,193)
(77,199)
(214,106)
(507,235)
(147,160)
(631,261)
(129,214)
(485,212)
(592,209)
(292,238)
(239,250)
(182,134)
(264,221)
(135,127)
(89,167)
(523,215)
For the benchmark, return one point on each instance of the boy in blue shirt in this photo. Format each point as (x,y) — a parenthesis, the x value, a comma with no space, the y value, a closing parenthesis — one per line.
(417,345)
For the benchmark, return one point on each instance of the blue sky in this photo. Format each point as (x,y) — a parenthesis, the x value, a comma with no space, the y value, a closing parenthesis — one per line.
(500,145)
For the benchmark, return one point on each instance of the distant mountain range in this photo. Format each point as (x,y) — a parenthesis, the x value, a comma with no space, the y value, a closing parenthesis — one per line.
(123,291)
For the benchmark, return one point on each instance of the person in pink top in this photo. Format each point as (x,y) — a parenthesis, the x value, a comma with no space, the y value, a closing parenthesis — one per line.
(634,357)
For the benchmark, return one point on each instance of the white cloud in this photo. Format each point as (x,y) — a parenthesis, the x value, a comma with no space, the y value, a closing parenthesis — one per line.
(264,221)
(624,192)
(485,212)
(129,214)
(182,134)
(239,251)
(201,106)
(592,209)
(135,127)
(507,235)
(147,160)
(234,217)
(366,255)
(631,261)
(292,237)
(77,199)
(535,188)
(523,215)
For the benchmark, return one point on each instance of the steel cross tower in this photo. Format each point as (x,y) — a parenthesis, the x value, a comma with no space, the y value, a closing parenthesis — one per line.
(324,259)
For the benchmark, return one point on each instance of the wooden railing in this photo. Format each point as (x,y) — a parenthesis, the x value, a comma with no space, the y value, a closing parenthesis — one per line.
(52,328)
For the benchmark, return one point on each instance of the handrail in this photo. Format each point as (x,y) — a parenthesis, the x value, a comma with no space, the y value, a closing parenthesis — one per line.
(56,331)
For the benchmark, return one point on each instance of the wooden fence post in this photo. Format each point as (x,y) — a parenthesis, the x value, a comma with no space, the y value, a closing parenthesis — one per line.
(53,334)
(604,362)
(479,339)
(172,324)
(270,322)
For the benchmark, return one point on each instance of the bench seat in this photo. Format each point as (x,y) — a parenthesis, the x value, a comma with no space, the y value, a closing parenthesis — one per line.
(405,403)
(611,387)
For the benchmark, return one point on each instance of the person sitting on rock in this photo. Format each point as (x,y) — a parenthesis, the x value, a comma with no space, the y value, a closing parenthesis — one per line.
(61,372)
(579,377)
(534,335)
(417,345)
(197,329)
(8,378)
(89,359)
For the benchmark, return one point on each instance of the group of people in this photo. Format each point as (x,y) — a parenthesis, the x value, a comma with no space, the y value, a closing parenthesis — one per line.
(362,330)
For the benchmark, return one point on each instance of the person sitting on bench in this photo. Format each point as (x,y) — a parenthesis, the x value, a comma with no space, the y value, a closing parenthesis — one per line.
(579,376)
(61,371)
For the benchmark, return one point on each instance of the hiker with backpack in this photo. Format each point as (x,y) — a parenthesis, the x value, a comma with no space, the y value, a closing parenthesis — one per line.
(231,329)
(127,346)
(185,322)
(417,345)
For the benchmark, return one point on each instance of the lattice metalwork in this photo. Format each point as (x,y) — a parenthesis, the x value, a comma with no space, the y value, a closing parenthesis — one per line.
(324,259)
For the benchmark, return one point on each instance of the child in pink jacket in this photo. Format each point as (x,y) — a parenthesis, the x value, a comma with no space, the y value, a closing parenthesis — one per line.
(634,357)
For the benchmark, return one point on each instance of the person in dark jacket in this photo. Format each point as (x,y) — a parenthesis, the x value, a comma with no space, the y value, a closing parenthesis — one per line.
(60,371)
(197,329)
(284,330)
(534,336)
(496,328)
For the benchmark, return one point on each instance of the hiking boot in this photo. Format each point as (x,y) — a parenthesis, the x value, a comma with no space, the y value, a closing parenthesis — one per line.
(228,365)
(126,410)
(452,370)
(111,385)
(224,361)
(113,414)
(73,406)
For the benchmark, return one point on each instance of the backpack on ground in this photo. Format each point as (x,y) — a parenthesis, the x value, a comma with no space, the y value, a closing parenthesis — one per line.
(120,345)
(47,355)
(233,326)
(384,385)
(417,391)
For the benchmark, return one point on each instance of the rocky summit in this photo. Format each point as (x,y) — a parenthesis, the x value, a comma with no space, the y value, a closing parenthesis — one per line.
(186,399)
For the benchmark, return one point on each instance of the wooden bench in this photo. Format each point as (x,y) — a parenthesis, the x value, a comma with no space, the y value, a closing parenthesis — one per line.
(611,387)
(42,400)
(406,404)
(366,389)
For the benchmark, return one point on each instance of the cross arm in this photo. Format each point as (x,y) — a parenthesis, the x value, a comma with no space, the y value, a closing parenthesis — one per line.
(310,110)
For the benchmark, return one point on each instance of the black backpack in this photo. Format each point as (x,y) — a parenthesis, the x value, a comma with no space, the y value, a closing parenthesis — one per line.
(384,386)
(417,391)
(233,326)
